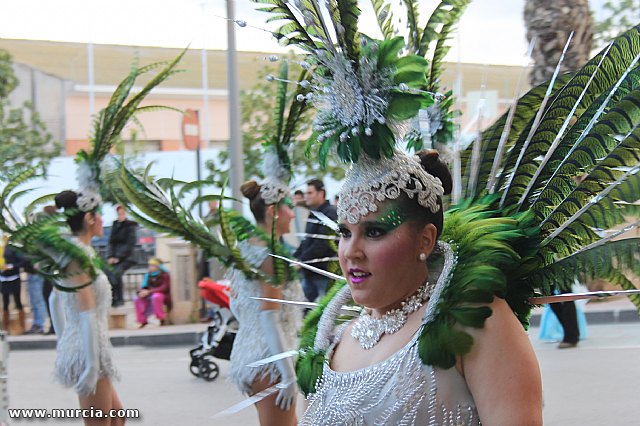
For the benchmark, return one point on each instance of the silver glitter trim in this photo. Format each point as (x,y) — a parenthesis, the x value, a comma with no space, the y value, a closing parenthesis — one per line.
(450,261)
(370,182)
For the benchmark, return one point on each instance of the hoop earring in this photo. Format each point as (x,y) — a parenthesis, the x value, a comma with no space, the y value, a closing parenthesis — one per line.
(422,257)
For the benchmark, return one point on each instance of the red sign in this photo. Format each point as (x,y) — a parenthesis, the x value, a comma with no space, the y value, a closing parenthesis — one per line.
(190,129)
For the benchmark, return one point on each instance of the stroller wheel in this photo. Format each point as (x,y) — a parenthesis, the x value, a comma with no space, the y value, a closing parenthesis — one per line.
(208,369)
(194,367)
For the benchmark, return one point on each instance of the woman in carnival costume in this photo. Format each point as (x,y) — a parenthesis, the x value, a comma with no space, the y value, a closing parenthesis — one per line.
(80,317)
(265,328)
(81,300)
(440,339)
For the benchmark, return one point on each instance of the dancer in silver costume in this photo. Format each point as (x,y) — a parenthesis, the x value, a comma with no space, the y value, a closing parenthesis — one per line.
(265,328)
(373,373)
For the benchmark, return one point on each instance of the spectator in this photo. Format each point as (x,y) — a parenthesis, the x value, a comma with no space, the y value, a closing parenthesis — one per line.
(315,285)
(47,286)
(122,243)
(300,216)
(10,281)
(298,199)
(154,294)
(35,284)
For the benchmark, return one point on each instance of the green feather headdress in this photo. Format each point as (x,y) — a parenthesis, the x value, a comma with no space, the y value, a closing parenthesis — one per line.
(535,210)
(44,239)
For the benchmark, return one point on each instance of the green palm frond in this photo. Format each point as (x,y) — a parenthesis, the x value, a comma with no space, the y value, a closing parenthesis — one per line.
(16,179)
(599,262)
(618,277)
(568,140)
(607,185)
(293,31)
(384,17)
(112,119)
(157,210)
(446,13)
(166,183)
(413,18)
(296,111)
(612,66)
(281,100)
(441,49)
(33,205)
(345,15)
(610,152)
(587,144)
(526,108)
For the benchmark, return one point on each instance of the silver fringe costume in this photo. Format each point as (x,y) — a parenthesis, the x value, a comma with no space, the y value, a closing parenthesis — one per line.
(250,344)
(70,359)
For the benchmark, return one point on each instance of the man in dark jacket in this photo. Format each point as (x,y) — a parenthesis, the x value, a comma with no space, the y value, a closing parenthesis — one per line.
(315,285)
(122,243)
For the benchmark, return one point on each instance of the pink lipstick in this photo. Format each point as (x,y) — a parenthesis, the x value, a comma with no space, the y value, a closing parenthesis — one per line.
(357,276)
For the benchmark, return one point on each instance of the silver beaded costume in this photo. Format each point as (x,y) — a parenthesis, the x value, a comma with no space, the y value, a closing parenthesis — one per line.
(250,344)
(398,391)
(70,358)
(401,390)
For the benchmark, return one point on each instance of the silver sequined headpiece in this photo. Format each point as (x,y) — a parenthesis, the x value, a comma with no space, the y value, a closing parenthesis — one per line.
(370,182)
(88,200)
(89,192)
(273,187)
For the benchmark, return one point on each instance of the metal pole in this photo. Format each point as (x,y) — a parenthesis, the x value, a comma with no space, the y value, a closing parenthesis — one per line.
(92,95)
(236,169)
(205,104)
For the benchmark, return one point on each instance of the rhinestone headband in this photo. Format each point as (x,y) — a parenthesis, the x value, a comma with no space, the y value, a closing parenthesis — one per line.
(370,182)
(273,187)
(88,200)
(273,191)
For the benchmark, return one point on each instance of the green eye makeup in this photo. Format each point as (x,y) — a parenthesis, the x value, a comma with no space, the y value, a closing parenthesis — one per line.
(393,218)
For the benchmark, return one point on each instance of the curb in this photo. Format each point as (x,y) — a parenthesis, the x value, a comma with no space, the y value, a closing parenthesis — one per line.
(187,338)
(600,317)
(149,340)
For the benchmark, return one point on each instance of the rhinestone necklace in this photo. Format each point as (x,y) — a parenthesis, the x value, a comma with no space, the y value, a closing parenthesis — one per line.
(368,330)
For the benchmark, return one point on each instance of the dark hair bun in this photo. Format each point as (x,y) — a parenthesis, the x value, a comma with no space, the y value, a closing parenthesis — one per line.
(67,200)
(250,189)
(430,160)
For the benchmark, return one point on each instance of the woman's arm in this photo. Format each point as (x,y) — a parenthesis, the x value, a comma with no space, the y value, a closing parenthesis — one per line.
(86,298)
(502,371)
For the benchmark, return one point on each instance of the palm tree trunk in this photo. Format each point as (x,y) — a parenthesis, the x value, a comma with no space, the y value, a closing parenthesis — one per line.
(551,22)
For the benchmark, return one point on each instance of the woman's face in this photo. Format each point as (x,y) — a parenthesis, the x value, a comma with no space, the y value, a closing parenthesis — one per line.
(285,215)
(379,256)
(94,223)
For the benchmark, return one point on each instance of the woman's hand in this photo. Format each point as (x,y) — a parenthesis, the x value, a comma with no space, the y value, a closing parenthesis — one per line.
(143,293)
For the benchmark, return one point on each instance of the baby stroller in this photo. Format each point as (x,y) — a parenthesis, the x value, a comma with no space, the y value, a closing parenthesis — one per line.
(217,341)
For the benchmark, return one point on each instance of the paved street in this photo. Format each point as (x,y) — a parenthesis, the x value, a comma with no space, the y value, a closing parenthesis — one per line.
(595,384)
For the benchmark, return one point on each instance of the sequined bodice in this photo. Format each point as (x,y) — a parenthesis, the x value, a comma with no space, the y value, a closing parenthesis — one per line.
(398,391)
